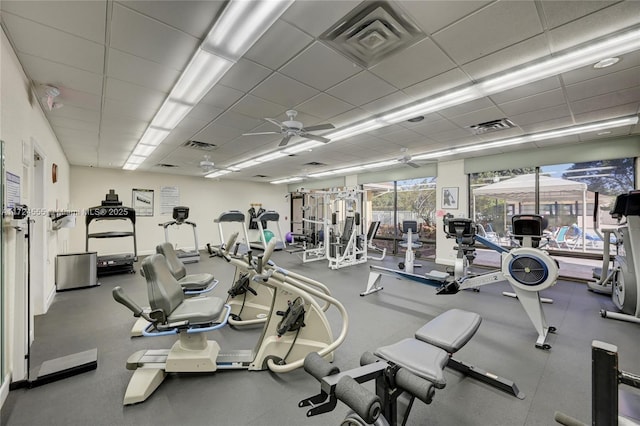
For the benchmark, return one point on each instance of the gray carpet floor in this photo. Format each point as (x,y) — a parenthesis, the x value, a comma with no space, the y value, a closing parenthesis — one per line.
(558,379)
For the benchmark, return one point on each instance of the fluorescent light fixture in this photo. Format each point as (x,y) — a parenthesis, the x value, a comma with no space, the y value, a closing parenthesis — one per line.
(356,129)
(143,150)
(203,72)
(434,104)
(129,166)
(380,164)
(218,173)
(306,146)
(586,128)
(153,136)
(244,165)
(136,159)
(431,155)
(288,180)
(171,114)
(270,157)
(322,174)
(480,147)
(241,24)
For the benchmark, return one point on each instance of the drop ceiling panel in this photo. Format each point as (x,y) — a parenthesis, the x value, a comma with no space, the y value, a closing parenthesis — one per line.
(147,38)
(320,67)
(205,112)
(217,134)
(532,103)
(539,116)
(258,107)
(134,69)
(133,94)
(558,13)
(466,107)
(558,142)
(606,101)
(244,75)
(222,96)
(278,45)
(84,138)
(512,56)
(478,116)
(402,136)
(455,135)
(432,16)
(71,123)
(628,60)
(54,45)
(239,121)
(84,19)
(351,116)
(433,127)
(438,84)
(550,124)
(283,90)
(608,20)
(387,103)
(79,99)
(314,17)
(413,65)
(324,106)
(531,89)
(493,28)
(607,83)
(608,113)
(129,110)
(119,122)
(59,75)
(621,131)
(192,17)
(361,89)
(83,114)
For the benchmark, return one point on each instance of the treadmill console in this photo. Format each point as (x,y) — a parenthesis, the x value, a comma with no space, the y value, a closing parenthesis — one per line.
(633,204)
(460,227)
(620,206)
(410,225)
(180,213)
(111,199)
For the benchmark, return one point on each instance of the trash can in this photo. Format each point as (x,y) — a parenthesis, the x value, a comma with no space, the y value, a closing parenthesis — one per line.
(76,270)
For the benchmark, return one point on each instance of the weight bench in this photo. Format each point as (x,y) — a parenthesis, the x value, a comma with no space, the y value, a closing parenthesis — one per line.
(411,368)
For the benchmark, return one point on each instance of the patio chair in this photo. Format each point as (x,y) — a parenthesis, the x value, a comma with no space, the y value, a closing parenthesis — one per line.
(561,240)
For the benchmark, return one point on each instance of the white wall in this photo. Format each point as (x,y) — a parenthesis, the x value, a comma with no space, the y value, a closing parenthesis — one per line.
(450,175)
(206,199)
(23,124)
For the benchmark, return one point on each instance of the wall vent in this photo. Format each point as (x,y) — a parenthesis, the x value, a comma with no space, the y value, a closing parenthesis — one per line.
(373,32)
(491,126)
(202,146)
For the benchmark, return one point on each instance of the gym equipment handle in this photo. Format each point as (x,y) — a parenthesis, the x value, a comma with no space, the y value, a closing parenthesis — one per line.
(120,297)
(365,403)
(318,367)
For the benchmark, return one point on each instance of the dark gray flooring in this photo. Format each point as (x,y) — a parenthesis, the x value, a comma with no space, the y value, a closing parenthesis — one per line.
(559,379)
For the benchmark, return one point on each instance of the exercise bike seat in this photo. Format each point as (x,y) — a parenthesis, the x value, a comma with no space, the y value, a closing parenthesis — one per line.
(450,330)
(420,358)
(192,282)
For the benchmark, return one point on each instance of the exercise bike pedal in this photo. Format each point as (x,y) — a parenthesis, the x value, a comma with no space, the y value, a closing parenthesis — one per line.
(544,346)
(552,329)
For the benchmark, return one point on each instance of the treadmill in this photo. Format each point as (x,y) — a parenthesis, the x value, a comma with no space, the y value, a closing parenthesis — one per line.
(112,209)
(180,216)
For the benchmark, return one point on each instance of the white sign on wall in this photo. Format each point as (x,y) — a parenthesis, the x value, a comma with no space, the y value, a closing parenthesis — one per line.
(169,198)
(13,190)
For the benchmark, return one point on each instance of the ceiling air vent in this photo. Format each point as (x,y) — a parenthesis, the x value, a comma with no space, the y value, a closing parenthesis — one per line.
(373,32)
(166,165)
(260,176)
(491,126)
(202,146)
(314,163)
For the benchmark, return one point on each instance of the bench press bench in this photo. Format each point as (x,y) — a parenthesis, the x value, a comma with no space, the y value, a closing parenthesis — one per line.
(413,367)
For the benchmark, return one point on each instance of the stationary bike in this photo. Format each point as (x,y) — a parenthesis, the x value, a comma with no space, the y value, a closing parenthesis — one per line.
(623,275)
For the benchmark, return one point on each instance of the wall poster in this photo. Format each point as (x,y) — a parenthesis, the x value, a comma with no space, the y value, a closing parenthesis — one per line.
(142,201)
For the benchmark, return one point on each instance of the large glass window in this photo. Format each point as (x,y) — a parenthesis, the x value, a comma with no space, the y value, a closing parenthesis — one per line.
(393,203)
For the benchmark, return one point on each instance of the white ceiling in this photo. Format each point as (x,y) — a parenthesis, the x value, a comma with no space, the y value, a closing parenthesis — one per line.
(115,62)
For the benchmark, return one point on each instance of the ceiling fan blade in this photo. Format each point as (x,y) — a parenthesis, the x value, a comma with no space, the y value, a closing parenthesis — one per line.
(317,127)
(285,140)
(414,165)
(276,122)
(260,133)
(314,137)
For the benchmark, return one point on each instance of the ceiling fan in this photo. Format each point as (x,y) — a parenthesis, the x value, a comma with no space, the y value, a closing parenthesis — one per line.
(206,165)
(406,158)
(291,128)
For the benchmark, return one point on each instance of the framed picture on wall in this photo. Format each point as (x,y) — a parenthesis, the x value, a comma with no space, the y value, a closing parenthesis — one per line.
(142,201)
(450,198)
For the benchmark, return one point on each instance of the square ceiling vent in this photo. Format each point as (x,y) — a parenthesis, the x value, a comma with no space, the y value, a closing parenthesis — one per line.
(491,126)
(373,32)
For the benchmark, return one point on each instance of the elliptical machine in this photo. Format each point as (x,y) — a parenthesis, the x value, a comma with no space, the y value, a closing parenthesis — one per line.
(624,282)
(180,216)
